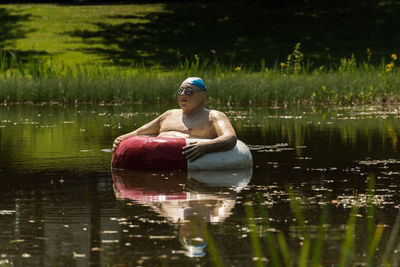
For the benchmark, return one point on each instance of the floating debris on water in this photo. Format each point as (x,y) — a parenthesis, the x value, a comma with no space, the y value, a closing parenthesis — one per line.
(377,162)
(270,148)
(7,212)
(77,255)
(363,200)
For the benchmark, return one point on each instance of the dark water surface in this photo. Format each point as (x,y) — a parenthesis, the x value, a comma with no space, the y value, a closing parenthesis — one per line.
(62,206)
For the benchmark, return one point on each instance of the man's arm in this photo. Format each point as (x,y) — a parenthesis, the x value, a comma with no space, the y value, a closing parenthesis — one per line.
(151,128)
(226,139)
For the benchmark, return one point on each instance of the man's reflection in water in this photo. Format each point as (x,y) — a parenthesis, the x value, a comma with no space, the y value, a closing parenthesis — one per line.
(189,200)
(191,231)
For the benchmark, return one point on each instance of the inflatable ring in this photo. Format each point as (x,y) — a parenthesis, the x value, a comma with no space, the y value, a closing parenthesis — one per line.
(159,153)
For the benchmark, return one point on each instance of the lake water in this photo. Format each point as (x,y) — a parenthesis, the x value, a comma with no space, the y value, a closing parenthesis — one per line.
(62,205)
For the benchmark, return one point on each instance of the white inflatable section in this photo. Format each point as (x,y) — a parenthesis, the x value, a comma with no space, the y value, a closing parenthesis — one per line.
(234,179)
(237,158)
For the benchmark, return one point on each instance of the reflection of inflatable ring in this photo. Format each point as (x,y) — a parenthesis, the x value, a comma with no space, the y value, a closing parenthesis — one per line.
(157,153)
(187,199)
(145,187)
(174,194)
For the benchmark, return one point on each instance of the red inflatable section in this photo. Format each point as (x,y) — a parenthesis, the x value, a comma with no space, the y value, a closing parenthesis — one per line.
(150,153)
(144,186)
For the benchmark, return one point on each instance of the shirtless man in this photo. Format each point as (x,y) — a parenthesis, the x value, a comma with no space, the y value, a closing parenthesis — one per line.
(192,120)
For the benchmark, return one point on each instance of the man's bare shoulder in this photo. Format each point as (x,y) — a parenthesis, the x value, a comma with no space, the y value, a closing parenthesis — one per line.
(217,115)
(171,112)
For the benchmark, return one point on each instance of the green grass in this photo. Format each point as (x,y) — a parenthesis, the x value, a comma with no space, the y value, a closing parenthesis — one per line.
(142,52)
(165,32)
(41,80)
(48,28)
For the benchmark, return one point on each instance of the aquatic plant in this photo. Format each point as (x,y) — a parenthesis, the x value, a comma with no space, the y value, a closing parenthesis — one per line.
(270,247)
(311,248)
(294,62)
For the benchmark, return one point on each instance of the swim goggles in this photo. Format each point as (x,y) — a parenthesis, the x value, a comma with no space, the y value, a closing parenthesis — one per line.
(188,91)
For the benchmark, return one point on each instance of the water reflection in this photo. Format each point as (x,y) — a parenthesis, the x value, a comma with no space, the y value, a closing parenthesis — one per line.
(58,203)
(187,199)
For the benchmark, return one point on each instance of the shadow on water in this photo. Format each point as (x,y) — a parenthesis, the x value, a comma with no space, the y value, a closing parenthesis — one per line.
(37,210)
(247,32)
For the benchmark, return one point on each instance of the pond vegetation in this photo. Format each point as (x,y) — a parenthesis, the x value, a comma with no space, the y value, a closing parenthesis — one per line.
(290,82)
(275,252)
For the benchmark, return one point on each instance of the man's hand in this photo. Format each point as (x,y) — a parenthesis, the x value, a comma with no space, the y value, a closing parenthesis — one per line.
(117,141)
(194,151)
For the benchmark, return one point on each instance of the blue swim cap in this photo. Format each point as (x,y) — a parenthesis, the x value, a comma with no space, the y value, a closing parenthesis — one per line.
(196,81)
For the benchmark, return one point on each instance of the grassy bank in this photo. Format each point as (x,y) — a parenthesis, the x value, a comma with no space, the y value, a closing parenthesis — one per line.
(290,82)
(165,32)
(141,52)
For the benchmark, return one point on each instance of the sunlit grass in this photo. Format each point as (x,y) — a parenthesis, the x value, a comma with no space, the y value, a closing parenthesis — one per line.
(52,64)
(49,27)
(45,80)
(292,82)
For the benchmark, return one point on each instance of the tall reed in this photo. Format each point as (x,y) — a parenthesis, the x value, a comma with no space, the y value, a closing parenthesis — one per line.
(278,253)
(293,82)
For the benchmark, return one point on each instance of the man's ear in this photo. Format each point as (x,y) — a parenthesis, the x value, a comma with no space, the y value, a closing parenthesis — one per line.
(203,98)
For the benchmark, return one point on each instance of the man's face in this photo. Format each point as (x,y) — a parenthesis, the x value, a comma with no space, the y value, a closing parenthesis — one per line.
(189,103)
